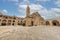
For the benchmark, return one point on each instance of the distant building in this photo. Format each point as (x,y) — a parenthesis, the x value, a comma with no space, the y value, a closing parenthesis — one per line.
(34,19)
(30,20)
(9,20)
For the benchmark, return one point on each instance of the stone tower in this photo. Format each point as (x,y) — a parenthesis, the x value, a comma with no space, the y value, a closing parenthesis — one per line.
(27,11)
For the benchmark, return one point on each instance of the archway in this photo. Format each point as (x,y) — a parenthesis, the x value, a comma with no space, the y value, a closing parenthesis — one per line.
(13,24)
(31,23)
(9,23)
(23,24)
(47,23)
(55,23)
(3,24)
(4,20)
(19,23)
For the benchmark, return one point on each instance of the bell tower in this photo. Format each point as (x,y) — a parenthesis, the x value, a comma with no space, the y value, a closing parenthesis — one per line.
(27,11)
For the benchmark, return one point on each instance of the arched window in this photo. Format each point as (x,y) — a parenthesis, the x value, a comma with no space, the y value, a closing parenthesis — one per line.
(13,20)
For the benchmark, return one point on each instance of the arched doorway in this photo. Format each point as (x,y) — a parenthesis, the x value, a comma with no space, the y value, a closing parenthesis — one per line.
(47,23)
(19,23)
(13,24)
(31,23)
(3,24)
(9,23)
(24,23)
(55,23)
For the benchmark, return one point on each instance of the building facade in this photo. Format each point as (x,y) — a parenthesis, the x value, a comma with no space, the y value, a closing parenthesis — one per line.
(9,20)
(34,19)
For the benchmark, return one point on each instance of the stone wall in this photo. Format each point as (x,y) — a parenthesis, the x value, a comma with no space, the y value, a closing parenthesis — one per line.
(54,22)
(9,20)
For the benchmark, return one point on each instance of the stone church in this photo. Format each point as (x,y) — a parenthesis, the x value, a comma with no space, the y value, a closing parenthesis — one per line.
(33,19)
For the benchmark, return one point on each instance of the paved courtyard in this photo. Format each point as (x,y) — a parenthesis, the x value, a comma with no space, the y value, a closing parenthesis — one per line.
(29,33)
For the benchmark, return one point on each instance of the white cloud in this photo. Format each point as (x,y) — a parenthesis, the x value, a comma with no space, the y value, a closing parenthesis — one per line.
(57,3)
(28,2)
(21,16)
(39,0)
(43,0)
(33,7)
(4,11)
(23,6)
(25,0)
(11,0)
(53,12)
(56,9)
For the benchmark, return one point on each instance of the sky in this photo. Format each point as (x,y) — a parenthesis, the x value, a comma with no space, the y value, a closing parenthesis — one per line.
(46,8)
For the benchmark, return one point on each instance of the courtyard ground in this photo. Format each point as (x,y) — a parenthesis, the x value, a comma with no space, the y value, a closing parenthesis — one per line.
(29,33)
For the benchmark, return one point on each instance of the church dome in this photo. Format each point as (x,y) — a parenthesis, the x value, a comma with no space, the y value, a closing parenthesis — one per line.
(35,14)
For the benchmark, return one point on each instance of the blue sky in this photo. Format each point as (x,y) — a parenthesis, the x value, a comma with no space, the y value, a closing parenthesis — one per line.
(46,8)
